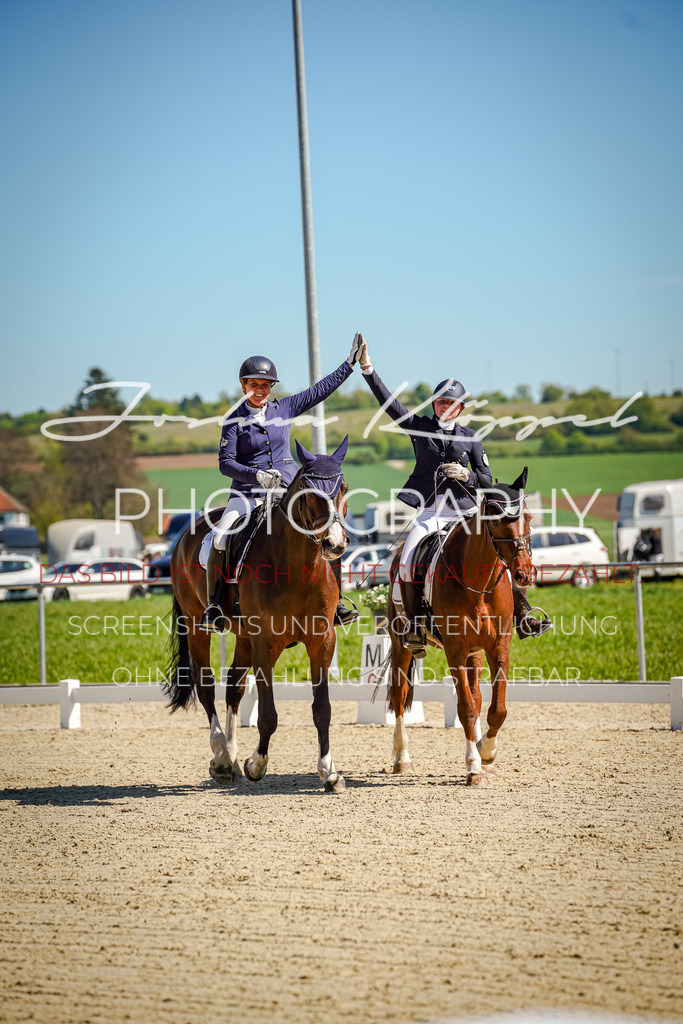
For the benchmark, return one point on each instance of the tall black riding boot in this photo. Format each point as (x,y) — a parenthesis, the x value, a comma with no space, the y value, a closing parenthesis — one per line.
(343,616)
(415,636)
(213,619)
(525,624)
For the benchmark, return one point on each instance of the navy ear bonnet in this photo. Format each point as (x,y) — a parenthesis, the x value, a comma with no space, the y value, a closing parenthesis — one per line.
(506,501)
(323,473)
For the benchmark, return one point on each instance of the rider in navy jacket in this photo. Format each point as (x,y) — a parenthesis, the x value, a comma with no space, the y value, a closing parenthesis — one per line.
(440,487)
(250,444)
(435,445)
(254,452)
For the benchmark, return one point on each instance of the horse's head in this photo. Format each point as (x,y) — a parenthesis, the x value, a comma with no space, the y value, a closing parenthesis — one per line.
(316,505)
(507,521)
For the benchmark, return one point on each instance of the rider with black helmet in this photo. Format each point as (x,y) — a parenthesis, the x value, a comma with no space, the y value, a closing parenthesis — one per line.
(254,451)
(442,486)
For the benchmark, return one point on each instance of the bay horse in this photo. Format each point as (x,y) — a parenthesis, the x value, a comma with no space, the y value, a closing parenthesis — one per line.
(287,594)
(472,606)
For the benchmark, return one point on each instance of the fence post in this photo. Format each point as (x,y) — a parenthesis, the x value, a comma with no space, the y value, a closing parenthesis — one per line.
(640,626)
(676,698)
(450,704)
(69,710)
(41,637)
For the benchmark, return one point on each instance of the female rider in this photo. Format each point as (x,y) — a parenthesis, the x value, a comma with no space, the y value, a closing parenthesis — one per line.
(254,452)
(441,486)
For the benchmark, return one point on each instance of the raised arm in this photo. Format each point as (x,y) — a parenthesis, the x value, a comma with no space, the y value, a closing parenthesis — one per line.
(391,405)
(317,393)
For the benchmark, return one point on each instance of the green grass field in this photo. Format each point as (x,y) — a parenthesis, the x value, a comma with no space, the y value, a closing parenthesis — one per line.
(579,474)
(104,642)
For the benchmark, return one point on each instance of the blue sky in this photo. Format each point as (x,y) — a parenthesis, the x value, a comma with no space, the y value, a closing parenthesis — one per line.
(496,192)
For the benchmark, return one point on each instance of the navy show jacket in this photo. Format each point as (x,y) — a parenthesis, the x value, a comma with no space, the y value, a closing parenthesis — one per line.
(433,446)
(248,445)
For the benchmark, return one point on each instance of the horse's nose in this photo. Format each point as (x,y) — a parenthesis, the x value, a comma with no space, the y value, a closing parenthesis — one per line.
(525,574)
(332,550)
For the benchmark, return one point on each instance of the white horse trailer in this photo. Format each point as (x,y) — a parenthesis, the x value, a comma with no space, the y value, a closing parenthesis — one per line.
(653,509)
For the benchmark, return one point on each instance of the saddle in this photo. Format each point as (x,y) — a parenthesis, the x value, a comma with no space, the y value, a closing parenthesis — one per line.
(242,534)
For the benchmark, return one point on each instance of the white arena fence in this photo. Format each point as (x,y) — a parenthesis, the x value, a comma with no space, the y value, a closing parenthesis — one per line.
(637,571)
(70,694)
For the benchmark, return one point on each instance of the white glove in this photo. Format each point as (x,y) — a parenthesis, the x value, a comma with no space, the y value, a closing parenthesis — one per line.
(363,357)
(355,349)
(267,479)
(455,471)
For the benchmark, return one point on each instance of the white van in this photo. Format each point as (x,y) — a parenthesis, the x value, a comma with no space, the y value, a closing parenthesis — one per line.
(74,539)
(650,525)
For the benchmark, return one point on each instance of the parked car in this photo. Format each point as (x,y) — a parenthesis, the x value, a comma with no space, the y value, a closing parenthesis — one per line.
(565,554)
(367,563)
(111,579)
(16,569)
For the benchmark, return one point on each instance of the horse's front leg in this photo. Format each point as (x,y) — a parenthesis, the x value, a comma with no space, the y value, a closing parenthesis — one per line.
(499,663)
(465,672)
(264,658)
(320,651)
(225,767)
(400,694)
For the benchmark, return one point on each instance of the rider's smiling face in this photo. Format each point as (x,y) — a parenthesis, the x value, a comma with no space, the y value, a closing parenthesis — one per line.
(447,409)
(260,390)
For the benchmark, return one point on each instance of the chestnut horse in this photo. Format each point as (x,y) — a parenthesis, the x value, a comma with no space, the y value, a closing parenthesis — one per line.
(472,606)
(287,594)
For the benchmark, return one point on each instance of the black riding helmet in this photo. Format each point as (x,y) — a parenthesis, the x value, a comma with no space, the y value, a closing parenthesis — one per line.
(451,389)
(258,368)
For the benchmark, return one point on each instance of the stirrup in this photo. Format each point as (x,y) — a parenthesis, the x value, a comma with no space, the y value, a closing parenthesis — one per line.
(529,626)
(415,639)
(212,620)
(344,616)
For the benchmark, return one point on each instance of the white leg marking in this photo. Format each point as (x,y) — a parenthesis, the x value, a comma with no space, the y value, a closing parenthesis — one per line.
(477,731)
(325,765)
(231,733)
(401,755)
(218,745)
(488,747)
(472,758)
(256,765)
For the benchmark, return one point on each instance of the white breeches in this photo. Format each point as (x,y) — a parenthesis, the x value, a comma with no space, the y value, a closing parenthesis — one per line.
(428,521)
(236,507)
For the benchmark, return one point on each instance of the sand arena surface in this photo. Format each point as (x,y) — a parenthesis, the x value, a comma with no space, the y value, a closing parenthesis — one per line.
(135,889)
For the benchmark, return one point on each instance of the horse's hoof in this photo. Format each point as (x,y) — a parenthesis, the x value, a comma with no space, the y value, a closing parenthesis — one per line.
(403,767)
(477,779)
(334,783)
(485,760)
(489,768)
(223,776)
(237,770)
(255,777)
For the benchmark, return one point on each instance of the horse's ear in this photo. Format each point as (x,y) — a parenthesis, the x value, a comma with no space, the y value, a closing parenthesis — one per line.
(341,450)
(520,482)
(305,458)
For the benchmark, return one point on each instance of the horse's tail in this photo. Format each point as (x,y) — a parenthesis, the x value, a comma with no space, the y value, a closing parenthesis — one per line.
(179,684)
(412,676)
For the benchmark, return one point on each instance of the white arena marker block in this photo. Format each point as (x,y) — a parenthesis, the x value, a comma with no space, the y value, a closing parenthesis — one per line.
(676,697)
(375,650)
(69,710)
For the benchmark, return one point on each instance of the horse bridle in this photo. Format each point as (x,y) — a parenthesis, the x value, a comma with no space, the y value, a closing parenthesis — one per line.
(522,543)
(326,521)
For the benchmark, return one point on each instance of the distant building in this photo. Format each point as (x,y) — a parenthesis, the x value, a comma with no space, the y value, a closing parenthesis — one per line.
(12,512)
